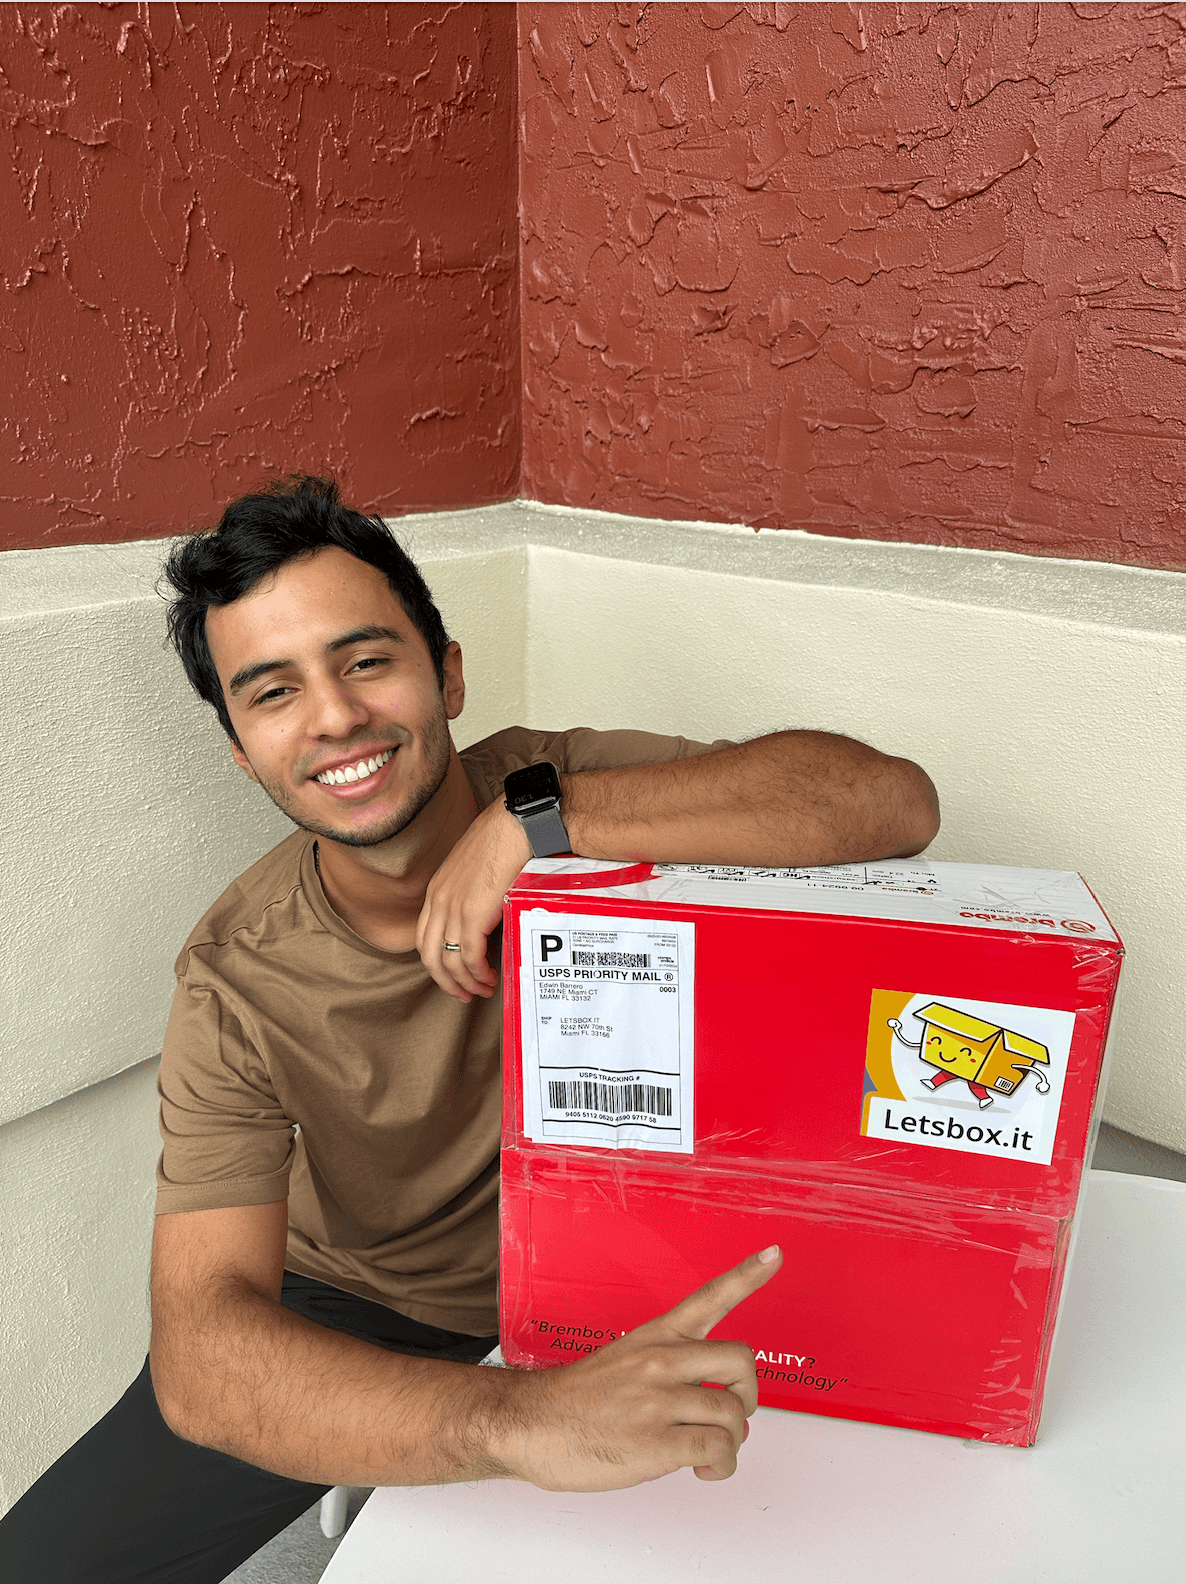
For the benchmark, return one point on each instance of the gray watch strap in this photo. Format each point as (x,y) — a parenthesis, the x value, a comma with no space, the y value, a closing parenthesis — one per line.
(545,832)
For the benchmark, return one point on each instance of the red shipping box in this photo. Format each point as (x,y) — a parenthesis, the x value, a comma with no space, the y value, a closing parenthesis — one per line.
(890,1070)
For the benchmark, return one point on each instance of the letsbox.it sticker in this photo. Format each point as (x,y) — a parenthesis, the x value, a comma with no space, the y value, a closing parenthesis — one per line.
(947,1072)
(607,1031)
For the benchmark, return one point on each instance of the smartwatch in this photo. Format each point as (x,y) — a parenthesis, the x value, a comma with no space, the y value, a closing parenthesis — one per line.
(533,797)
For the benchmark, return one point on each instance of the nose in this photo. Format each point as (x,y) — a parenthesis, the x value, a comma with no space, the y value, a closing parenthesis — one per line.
(332,709)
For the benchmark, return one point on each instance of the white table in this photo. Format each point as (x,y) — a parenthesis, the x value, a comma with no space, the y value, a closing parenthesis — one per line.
(1100,1500)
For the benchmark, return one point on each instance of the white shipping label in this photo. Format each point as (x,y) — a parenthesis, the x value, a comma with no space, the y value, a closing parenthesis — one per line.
(607,1007)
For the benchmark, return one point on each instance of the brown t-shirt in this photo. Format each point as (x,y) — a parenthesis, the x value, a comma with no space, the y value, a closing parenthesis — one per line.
(302,1061)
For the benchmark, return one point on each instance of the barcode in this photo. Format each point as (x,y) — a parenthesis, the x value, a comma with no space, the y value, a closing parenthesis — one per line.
(584,1094)
(611,959)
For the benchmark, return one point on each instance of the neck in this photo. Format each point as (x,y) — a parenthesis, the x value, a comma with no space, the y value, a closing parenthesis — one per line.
(379,891)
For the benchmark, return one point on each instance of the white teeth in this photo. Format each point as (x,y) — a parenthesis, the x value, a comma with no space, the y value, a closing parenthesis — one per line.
(358,772)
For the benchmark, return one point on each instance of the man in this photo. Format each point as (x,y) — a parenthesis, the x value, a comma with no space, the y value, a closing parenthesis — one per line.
(324,1262)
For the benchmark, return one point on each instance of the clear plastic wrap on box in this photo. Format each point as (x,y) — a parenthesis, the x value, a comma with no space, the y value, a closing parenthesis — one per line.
(891,1070)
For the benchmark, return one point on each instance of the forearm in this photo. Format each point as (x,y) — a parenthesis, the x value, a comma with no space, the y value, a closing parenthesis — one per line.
(235,1371)
(245,1376)
(793,798)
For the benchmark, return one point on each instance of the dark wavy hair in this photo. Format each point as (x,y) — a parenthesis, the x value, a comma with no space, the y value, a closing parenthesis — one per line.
(256,535)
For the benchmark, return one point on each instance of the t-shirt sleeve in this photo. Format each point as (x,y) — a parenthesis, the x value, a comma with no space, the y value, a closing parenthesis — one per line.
(227,1141)
(489,762)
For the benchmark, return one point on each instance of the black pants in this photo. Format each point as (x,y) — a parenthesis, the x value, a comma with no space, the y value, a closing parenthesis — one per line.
(132,1503)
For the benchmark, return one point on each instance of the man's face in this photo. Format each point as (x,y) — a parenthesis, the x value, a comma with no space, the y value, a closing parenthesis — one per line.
(326,677)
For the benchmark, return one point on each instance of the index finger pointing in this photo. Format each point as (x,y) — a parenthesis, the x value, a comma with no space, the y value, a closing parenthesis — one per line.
(708,1305)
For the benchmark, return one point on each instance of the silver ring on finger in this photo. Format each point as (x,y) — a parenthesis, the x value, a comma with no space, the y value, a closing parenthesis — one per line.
(452,945)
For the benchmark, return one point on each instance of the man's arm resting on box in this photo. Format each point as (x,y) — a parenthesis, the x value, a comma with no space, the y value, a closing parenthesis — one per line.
(791,798)
(797,798)
(234,1370)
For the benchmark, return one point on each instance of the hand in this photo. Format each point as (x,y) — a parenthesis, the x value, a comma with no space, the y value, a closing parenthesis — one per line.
(637,1408)
(463,902)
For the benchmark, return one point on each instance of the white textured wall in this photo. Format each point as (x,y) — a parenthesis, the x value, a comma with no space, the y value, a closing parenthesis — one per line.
(76,1183)
(1046,699)
(126,812)
(126,818)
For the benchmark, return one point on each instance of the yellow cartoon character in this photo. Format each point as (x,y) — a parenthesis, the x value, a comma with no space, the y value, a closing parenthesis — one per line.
(985,1055)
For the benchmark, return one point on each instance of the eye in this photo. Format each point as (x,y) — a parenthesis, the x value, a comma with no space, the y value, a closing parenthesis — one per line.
(965,1050)
(369,661)
(935,1039)
(272,693)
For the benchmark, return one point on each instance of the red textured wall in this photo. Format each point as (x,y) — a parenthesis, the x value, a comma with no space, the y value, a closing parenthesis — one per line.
(909,271)
(912,272)
(238,238)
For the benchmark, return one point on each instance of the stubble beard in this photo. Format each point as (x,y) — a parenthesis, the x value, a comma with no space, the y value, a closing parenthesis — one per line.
(436,751)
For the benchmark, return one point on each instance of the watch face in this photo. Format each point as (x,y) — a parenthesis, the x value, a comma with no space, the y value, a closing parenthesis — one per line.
(537,784)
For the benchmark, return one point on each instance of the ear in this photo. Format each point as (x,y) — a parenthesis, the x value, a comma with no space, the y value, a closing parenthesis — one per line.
(454,689)
(242,761)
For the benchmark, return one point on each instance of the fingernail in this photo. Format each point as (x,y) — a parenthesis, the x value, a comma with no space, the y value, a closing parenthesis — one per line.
(768,1255)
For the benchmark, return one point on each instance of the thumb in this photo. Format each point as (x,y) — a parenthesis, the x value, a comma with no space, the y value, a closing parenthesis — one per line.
(700,1311)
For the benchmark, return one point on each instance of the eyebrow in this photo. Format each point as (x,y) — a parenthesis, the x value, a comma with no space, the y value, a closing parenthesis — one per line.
(363,635)
(244,677)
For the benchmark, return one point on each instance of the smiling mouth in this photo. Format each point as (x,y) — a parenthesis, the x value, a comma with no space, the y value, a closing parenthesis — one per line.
(355,772)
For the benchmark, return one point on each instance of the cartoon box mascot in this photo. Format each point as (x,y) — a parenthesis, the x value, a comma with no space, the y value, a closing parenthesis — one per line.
(984,1055)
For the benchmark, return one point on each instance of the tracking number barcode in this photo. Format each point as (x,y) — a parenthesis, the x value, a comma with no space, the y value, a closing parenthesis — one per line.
(610,959)
(618,1099)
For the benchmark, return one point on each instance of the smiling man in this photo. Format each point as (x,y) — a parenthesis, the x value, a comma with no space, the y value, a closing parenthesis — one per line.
(324,1263)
